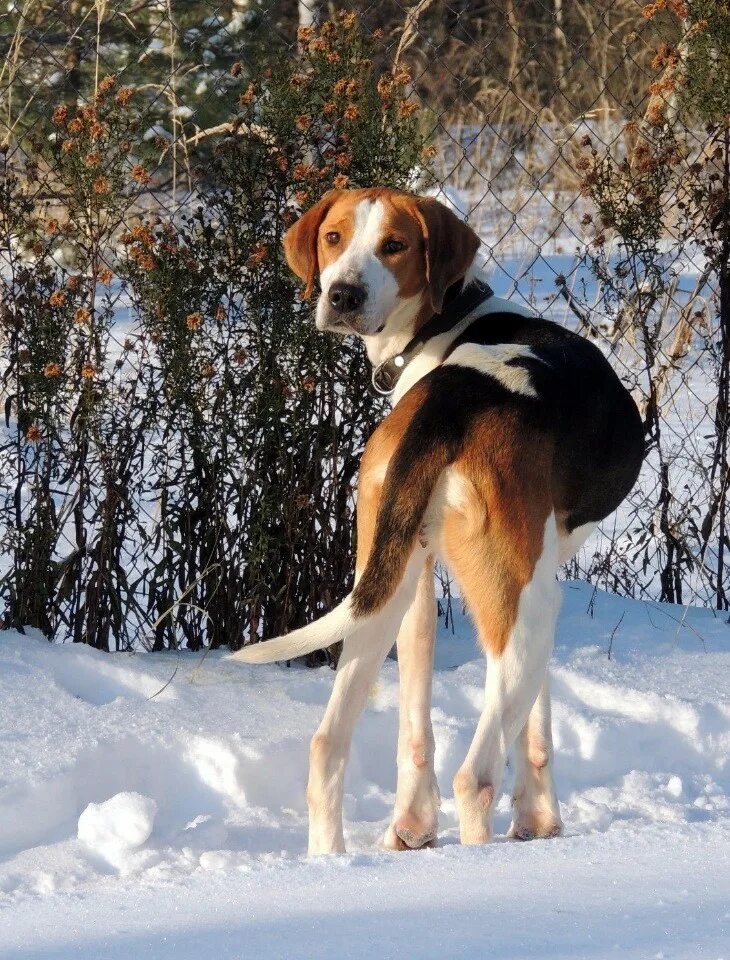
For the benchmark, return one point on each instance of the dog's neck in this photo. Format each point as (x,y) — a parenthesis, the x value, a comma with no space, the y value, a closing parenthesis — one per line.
(399,330)
(405,322)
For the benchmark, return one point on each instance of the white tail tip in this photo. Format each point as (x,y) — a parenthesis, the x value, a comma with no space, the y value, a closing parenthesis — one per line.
(333,626)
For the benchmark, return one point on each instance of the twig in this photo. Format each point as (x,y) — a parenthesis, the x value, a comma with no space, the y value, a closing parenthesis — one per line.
(613,634)
(234,128)
(410,29)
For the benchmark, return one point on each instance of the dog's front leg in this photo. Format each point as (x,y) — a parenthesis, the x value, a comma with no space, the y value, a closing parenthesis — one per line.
(415,819)
(330,749)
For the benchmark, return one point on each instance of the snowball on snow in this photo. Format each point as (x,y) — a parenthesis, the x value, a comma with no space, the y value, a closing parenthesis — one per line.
(124,822)
(675,786)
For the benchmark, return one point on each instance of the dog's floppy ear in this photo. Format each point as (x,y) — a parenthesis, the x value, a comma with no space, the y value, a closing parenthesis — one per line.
(300,241)
(450,247)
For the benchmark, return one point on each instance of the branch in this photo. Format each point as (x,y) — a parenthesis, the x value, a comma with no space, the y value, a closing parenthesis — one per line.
(234,128)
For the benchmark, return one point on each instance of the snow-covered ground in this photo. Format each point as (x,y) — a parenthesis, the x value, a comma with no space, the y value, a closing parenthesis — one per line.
(147,819)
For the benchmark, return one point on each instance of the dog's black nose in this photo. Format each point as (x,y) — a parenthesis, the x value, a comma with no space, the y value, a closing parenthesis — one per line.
(346,297)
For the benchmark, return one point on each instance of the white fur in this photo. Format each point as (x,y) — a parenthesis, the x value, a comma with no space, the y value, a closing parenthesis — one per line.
(431,356)
(513,682)
(535,801)
(356,672)
(494,360)
(359,264)
(396,333)
(417,800)
(452,489)
(572,542)
(338,624)
(330,628)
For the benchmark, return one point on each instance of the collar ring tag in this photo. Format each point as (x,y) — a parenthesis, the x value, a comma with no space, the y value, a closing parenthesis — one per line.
(383,389)
(385,376)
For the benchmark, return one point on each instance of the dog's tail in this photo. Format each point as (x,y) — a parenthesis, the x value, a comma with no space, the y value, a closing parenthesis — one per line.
(415,467)
(333,626)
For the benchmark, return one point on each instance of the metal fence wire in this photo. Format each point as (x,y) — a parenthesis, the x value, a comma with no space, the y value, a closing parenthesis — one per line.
(558,130)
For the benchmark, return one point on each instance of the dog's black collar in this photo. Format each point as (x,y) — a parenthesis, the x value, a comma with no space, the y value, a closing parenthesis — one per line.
(386,375)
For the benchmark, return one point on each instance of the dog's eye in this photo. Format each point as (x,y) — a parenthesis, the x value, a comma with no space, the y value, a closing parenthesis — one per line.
(332,237)
(393,246)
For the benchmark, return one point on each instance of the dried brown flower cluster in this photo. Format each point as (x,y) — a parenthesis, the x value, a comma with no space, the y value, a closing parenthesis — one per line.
(248,96)
(654,114)
(107,84)
(57,298)
(665,85)
(124,96)
(140,174)
(259,254)
(665,56)
(140,241)
(678,7)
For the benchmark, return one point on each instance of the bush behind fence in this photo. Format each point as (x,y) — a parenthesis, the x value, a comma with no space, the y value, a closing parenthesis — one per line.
(180,447)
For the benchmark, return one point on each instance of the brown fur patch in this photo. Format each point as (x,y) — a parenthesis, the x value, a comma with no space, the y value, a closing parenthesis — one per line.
(373,467)
(494,540)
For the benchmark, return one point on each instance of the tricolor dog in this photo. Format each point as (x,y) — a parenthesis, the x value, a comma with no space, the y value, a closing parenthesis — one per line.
(509,439)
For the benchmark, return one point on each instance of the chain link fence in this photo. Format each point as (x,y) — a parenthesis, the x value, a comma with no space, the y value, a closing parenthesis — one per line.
(152,339)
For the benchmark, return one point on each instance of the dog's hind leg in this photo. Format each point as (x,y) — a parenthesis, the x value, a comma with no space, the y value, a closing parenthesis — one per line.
(506,569)
(361,660)
(415,819)
(330,748)
(536,808)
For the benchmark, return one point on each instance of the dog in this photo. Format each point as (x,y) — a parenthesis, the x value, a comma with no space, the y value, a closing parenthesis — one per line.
(509,439)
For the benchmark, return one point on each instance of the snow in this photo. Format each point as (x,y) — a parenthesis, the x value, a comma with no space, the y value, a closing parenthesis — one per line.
(153,819)
(119,825)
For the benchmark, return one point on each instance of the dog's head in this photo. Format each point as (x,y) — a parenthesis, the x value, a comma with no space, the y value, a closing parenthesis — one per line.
(382,256)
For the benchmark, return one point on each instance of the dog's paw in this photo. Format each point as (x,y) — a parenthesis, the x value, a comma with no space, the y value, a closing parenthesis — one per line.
(535,826)
(411,832)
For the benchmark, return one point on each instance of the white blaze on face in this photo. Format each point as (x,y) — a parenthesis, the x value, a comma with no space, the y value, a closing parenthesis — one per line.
(359,264)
